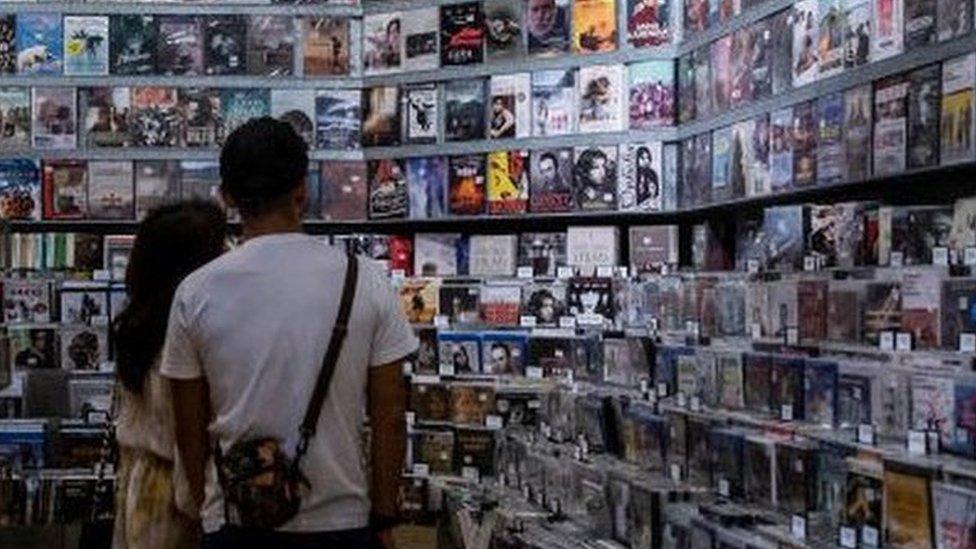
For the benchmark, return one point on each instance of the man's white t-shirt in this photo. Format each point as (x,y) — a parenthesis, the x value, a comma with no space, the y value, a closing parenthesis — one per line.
(255,323)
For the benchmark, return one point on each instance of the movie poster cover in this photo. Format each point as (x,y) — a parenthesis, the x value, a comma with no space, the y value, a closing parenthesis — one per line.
(804,144)
(857,33)
(492,255)
(553,102)
(920,27)
(388,193)
(742,160)
(857,133)
(180,45)
(225,44)
(686,88)
(382,42)
(648,22)
(933,406)
(510,116)
(639,188)
(15,118)
(594,26)
(551,180)
(40,44)
(381,116)
(703,83)
(831,44)
(420,109)
(427,178)
(85,45)
(781,47)
(297,108)
(544,252)
(508,182)
(703,168)
(466,184)
(890,124)
(956,130)
(421,30)
(652,95)
(20,189)
(110,189)
(696,16)
(157,183)
(806,37)
(590,297)
(338,115)
(503,29)
(924,96)
(344,190)
(464,110)
(742,57)
(54,118)
(436,254)
(133,44)
(595,178)
(760,47)
(601,89)
(781,149)
(721,164)
(830,139)
(199,180)
(955,18)
(271,45)
(200,116)
(325,46)
(238,105)
(106,116)
(721,72)
(886,24)
(8,43)
(761,175)
(955,516)
(462,34)
(65,186)
(547,27)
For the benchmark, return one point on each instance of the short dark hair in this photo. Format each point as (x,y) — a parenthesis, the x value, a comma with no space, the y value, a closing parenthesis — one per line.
(261,162)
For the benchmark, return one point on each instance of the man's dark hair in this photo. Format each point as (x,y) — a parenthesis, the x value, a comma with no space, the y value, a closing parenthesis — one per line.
(261,162)
(548,156)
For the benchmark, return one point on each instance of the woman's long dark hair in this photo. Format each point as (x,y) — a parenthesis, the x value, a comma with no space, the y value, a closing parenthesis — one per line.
(171,242)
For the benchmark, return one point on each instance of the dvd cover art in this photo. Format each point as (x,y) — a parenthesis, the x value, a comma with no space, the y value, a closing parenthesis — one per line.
(923,116)
(297,108)
(436,450)
(503,29)
(547,27)
(831,37)
(588,248)
(853,400)
(107,117)
(492,255)
(381,116)
(882,311)
(85,45)
(890,124)
(702,175)
(15,118)
(500,304)
(511,109)
(337,119)
(955,516)
(697,15)
(964,428)
(504,353)
(157,182)
(553,102)
(781,30)
(466,190)
(783,231)
(686,88)
(388,193)
(383,42)
(920,308)
(648,22)
(955,18)
(344,190)
(804,144)
(421,29)
(40,43)
(419,300)
(652,94)
(886,25)
(462,34)
(639,188)
(703,83)
(200,117)
(857,33)
(864,492)
(238,105)
(590,297)
(110,189)
(551,180)
(508,182)
(181,45)
(543,252)
(33,348)
(225,44)
(806,37)
(20,189)
(8,43)
(796,473)
(325,46)
(65,184)
(756,48)
(436,254)
(907,507)
(545,302)
(427,178)
(721,73)
(430,402)
(857,133)
(54,118)
(460,303)
(957,126)
(920,26)
(26,301)
(271,45)
(653,248)
(958,307)
(595,178)
(420,106)
(721,189)
(464,110)
(594,26)
(781,149)
(820,398)
(600,98)
(199,180)
(742,58)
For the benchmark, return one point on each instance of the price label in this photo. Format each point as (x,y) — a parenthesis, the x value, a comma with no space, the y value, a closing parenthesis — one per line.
(756,330)
(798,527)
(493,422)
(527,321)
(545,430)
(525,272)
(675,472)
(903,342)
(533,372)
(896,259)
(752,266)
(969,256)
(865,434)
(786,412)
(442,321)
(407,367)
(848,537)
(567,322)
(682,400)
(723,488)
(694,403)
(604,271)
(869,536)
(967,343)
(565,272)
(654,325)
(810,263)
(917,443)
(623,272)
(940,256)
(662,389)
(886,341)
(446,369)
(470,473)
(398,275)
(101,274)
(411,418)
(426,379)
(792,336)
(421,469)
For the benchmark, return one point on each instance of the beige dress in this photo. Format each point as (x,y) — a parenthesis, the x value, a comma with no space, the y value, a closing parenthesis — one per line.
(152,502)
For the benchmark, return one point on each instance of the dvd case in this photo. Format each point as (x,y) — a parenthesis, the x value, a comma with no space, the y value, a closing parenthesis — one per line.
(86,45)
(462,34)
(601,98)
(510,112)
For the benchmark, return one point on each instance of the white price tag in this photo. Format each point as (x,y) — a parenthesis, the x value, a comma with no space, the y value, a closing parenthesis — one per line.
(848,537)
(917,443)
(967,343)
(604,271)
(756,330)
(623,272)
(421,469)
(398,275)
(792,336)
(446,369)
(752,266)
(798,527)
(865,434)
(567,322)
(694,404)
(442,321)
(675,472)
(896,259)
(682,400)
(565,272)
(969,256)
(786,412)
(886,341)
(662,389)
(426,379)
(101,274)
(654,325)
(869,536)
(645,387)
(470,473)
(533,372)
(810,263)
(407,367)
(940,256)
(525,272)
(493,422)
(527,321)
(411,418)
(903,342)
(723,488)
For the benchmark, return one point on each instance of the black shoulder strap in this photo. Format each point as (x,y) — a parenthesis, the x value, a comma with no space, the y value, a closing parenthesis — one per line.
(339,331)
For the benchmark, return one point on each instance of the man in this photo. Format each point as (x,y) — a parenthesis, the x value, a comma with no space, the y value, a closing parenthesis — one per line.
(500,360)
(550,179)
(246,338)
(548,31)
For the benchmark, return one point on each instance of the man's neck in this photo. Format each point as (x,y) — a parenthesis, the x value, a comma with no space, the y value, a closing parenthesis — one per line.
(268,224)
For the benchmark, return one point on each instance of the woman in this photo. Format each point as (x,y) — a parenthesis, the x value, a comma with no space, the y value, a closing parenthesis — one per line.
(171,242)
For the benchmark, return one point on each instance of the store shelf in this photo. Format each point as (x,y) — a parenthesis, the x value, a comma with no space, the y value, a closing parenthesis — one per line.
(141,153)
(202,81)
(179,8)
(718,30)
